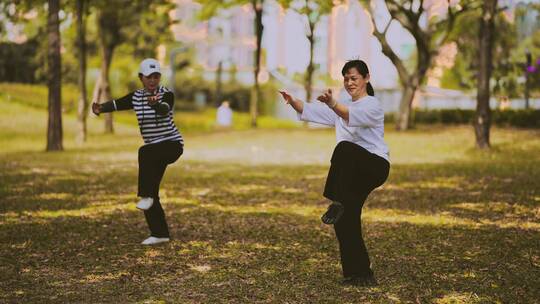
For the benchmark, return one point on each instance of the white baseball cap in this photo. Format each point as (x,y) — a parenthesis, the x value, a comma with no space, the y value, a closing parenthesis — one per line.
(149,66)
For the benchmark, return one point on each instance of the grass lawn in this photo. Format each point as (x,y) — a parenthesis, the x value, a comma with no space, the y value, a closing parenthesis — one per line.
(451,225)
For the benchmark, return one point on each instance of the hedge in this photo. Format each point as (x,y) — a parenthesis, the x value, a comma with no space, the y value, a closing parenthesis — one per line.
(515,118)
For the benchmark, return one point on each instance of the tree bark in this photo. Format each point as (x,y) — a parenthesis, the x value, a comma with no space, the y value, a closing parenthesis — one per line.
(255,98)
(404,115)
(411,87)
(105,88)
(81,45)
(219,76)
(428,40)
(54,128)
(109,37)
(310,68)
(482,122)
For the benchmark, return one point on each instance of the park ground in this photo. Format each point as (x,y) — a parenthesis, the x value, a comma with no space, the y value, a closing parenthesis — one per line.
(451,225)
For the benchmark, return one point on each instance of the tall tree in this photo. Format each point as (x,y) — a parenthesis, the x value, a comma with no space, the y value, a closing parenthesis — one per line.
(81,46)
(258,25)
(109,38)
(313,10)
(490,60)
(32,16)
(210,9)
(463,74)
(141,23)
(54,82)
(429,37)
(482,120)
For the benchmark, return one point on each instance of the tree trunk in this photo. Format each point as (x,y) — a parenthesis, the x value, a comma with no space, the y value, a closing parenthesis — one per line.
(411,86)
(482,120)
(105,88)
(54,128)
(310,68)
(81,45)
(405,106)
(96,94)
(219,76)
(255,98)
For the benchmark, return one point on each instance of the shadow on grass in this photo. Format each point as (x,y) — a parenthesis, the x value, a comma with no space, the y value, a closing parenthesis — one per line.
(219,256)
(463,231)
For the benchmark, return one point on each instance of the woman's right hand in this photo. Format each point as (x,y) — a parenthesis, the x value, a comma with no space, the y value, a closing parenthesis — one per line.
(296,104)
(96,108)
(288,98)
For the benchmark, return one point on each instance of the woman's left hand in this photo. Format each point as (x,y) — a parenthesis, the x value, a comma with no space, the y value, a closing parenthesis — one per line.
(152,99)
(96,108)
(327,98)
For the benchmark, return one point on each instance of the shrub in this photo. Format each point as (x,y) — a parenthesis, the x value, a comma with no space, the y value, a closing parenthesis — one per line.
(510,118)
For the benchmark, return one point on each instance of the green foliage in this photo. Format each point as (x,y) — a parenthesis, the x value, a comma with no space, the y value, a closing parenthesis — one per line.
(34,51)
(517,118)
(312,9)
(508,55)
(502,118)
(143,24)
(17,62)
(533,46)
(138,26)
(210,8)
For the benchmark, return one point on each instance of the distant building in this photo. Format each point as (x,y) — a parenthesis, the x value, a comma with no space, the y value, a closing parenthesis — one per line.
(343,35)
(227,37)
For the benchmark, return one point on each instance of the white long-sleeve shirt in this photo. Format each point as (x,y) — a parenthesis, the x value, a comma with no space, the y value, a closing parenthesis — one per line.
(365,127)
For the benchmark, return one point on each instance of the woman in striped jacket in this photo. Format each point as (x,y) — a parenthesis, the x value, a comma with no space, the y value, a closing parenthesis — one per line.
(163,144)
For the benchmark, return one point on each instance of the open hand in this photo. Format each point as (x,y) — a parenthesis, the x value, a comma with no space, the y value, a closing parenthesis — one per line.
(96,108)
(288,98)
(326,97)
(152,99)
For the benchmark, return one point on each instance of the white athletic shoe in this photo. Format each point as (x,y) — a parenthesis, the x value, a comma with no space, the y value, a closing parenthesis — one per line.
(154,240)
(145,203)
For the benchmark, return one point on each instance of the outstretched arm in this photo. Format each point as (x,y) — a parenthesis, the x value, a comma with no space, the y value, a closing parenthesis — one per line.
(123,103)
(297,104)
(313,111)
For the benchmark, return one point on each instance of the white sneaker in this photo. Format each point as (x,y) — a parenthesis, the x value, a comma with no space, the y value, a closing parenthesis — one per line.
(145,203)
(154,240)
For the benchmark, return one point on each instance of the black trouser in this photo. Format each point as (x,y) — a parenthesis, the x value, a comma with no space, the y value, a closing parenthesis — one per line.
(153,160)
(354,173)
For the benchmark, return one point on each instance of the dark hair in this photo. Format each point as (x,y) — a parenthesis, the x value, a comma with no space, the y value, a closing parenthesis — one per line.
(362,69)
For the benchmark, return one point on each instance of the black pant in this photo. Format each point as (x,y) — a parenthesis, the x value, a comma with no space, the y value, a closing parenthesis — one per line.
(153,160)
(353,174)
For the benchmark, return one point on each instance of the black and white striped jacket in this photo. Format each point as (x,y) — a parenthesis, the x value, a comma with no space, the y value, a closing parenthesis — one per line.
(156,122)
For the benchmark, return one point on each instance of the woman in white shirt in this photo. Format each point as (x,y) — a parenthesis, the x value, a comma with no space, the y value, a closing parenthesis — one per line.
(360,163)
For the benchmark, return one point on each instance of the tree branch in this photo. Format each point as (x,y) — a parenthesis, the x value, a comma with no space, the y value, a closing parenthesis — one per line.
(387,50)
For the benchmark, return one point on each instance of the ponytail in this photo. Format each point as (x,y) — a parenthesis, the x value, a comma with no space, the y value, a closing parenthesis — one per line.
(369,89)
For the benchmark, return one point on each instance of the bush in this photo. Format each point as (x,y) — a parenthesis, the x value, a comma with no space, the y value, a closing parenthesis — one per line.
(517,118)
(18,63)
(506,118)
